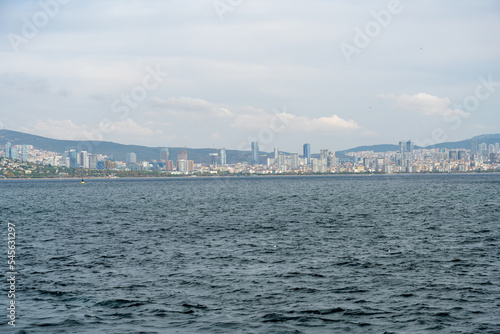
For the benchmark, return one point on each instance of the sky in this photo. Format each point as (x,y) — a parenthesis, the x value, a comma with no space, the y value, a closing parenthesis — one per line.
(224,73)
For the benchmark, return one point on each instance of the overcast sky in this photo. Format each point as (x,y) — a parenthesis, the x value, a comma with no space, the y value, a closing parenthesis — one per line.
(204,73)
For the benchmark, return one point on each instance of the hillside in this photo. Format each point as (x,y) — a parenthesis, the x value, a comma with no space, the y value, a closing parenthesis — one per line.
(118,150)
(197,154)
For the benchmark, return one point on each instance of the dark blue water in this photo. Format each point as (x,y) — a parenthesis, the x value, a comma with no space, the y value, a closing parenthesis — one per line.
(395,254)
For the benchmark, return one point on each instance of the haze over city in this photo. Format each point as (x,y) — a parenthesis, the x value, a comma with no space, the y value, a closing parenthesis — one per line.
(212,74)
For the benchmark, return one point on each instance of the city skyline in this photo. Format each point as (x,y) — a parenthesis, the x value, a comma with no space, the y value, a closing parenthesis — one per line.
(405,159)
(278,73)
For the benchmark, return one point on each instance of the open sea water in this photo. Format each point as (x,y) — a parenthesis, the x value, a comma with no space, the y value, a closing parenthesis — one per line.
(332,254)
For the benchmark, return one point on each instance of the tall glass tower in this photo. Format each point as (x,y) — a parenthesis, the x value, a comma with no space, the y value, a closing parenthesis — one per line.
(73,158)
(222,154)
(164,154)
(8,150)
(307,152)
(255,152)
(24,154)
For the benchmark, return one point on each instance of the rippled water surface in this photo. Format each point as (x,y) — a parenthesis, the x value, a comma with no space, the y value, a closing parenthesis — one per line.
(395,254)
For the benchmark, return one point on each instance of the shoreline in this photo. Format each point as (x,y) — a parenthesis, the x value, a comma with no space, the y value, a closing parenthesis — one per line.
(242,176)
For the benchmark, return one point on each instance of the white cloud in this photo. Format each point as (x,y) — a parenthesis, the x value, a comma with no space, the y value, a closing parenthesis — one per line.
(250,118)
(66,129)
(190,108)
(130,128)
(426,104)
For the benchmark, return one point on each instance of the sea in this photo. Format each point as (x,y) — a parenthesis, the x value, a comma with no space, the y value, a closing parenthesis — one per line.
(289,254)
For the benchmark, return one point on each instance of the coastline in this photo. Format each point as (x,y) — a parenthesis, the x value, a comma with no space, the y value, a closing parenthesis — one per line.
(244,176)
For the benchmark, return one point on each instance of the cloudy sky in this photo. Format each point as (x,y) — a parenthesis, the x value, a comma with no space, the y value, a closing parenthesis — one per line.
(222,73)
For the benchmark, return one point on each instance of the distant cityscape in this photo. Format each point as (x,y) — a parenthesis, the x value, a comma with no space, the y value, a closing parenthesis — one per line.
(479,157)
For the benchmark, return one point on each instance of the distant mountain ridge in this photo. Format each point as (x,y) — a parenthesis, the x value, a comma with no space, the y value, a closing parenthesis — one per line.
(119,151)
(199,155)
(462,144)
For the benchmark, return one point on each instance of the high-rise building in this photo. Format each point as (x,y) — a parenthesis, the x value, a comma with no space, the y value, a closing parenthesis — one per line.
(294,160)
(182,155)
(8,150)
(462,155)
(255,153)
(276,151)
(214,157)
(281,160)
(169,165)
(409,146)
(406,151)
(497,147)
(13,153)
(73,158)
(318,166)
(92,161)
(453,155)
(131,159)
(483,149)
(380,165)
(323,153)
(185,166)
(223,159)
(332,160)
(84,159)
(473,146)
(307,152)
(24,153)
(164,154)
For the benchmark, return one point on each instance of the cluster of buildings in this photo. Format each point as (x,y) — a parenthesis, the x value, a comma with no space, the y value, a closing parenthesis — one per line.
(182,165)
(480,157)
(17,152)
(407,159)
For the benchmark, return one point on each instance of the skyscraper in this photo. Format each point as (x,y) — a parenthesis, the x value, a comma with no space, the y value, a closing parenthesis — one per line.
(182,155)
(164,154)
(323,153)
(131,158)
(13,153)
(92,161)
(307,152)
(214,158)
(406,151)
(473,147)
(276,151)
(255,152)
(84,159)
(8,150)
(281,160)
(73,158)
(222,153)
(294,160)
(24,154)
(461,155)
